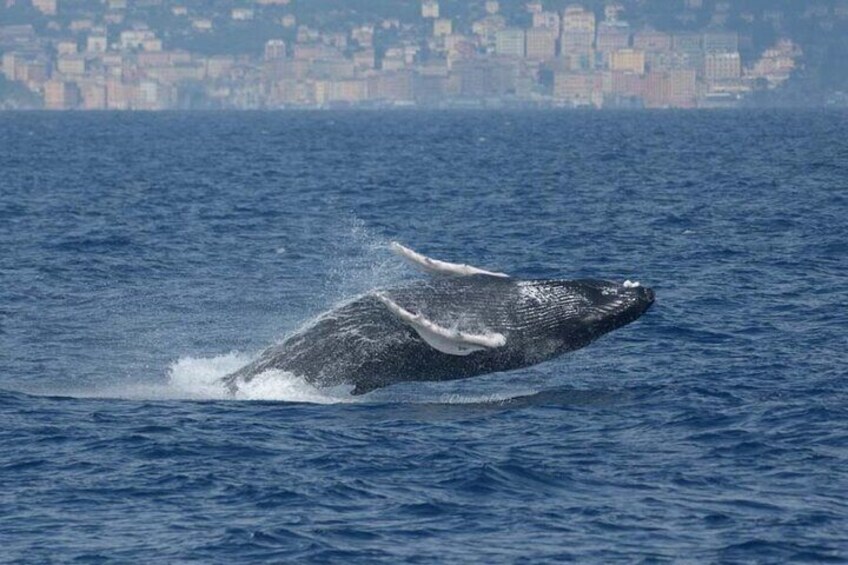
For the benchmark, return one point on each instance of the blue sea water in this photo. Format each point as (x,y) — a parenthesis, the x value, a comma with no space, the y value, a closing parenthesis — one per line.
(143,256)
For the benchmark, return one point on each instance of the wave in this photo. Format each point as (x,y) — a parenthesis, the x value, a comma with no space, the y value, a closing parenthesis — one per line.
(199,378)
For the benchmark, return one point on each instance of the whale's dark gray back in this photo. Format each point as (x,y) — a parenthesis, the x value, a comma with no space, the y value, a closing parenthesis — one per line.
(364,344)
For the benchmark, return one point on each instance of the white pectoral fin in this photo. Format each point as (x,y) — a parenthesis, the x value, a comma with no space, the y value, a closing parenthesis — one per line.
(436,267)
(452,342)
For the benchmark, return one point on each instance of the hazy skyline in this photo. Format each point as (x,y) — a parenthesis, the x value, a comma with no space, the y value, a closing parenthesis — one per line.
(276,54)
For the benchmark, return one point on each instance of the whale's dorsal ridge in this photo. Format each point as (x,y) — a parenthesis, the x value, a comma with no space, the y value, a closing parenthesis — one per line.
(436,267)
(451,342)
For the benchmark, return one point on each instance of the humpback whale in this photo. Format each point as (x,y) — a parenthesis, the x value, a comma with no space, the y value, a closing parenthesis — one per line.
(460,322)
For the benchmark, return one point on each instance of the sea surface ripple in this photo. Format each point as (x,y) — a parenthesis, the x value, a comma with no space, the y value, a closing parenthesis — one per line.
(142,256)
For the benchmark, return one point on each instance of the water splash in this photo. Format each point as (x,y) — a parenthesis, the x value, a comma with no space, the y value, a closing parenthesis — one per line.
(191,377)
(200,378)
(359,262)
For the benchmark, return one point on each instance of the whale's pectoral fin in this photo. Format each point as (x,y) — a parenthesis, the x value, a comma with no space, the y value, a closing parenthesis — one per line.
(452,342)
(436,267)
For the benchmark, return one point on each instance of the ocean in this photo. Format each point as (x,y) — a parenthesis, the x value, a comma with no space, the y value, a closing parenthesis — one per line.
(144,256)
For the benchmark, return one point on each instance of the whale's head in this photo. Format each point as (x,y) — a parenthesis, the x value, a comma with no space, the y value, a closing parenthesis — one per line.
(608,305)
(580,311)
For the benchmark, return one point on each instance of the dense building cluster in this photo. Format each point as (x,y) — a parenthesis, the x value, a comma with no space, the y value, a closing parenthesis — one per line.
(578,56)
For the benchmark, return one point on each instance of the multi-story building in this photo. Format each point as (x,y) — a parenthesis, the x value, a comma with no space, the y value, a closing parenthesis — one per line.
(592,63)
(335,68)
(577,18)
(242,14)
(657,93)
(628,60)
(275,49)
(350,91)
(667,60)
(510,42)
(82,24)
(612,36)
(96,41)
(34,73)
(651,40)
(10,65)
(429,85)
(394,87)
(364,59)
(578,31)
(151,95)
(612,11)
(487,29)
(683,90)
(540,43)
(60,95)
(66,48)
(393,59)
(430,9)
(140,39)
(626,85)
(202,24)
(468,79)
(219,67)
(549,20)
(363,36)
(442,27)
(93,95)
(46,7)
(719,66)
(686,42)
(720,42)
(578,88)
(71,65)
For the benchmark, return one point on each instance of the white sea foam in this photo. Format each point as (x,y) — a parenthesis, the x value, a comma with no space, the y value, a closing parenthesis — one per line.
(199,378)
(191,377)
(283,386)
(188,378)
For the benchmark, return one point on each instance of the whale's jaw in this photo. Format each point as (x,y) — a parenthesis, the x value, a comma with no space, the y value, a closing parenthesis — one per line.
(614,305)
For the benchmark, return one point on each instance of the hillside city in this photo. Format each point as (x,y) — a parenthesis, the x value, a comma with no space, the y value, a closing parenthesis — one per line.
(278,54)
